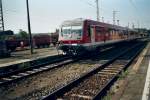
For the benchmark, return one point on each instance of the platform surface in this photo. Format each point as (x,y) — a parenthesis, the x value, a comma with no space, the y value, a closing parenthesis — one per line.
(24,56)
(133,85)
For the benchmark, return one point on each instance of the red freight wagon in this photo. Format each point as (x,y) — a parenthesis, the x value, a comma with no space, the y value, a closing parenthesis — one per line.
(41,40)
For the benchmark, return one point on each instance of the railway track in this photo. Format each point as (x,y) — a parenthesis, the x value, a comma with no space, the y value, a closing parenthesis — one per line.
(29,64)
(8,77)
(94,84)
(36,68)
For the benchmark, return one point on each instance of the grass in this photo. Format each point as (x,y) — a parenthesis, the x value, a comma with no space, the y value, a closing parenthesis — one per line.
(123,74)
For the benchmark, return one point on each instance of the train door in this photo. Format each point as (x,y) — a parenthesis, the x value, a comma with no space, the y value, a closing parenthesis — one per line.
(92,29)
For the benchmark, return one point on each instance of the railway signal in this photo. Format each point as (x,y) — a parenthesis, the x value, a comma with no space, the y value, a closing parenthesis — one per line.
(29,27)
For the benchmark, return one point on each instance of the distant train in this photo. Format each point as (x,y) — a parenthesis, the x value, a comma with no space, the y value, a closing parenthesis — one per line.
(39,41)
(79,35)
(4,52)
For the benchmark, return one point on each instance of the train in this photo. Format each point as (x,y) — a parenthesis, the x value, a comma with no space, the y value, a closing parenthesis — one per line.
(39,41)
(4,52)
(80,35)
(10,41)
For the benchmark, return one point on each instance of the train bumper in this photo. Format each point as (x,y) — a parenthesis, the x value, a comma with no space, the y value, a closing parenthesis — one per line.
(72,48)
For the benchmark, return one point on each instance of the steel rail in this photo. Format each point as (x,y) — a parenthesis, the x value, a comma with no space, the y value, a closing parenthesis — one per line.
(59,92)
(34,70)
(4,72)
(13,77)
(107,86)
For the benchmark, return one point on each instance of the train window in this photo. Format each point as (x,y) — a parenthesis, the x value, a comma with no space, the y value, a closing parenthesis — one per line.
(89,31)
(71,30)
(100,30)
(76,30)
(66,30)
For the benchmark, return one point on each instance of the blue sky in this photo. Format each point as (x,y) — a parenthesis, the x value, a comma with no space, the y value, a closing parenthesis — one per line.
(47,15)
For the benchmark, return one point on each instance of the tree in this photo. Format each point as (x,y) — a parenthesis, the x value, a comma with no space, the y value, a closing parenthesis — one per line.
(23,34)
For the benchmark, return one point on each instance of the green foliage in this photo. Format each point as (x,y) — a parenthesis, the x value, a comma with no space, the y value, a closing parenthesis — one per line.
(3,37)
(23,34)
(124,74)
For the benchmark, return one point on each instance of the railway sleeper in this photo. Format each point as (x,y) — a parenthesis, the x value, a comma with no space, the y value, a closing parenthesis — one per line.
(84,97)
(30,72)
(43,68)
(36,70)
(104,73)
(110,71)
(6,79)
(15,76)
(23,74)
(113,68)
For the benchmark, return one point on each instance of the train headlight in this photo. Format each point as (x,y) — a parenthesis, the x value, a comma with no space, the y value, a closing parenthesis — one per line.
(74,44)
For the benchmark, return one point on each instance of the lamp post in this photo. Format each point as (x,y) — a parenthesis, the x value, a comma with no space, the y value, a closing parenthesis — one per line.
(29,27)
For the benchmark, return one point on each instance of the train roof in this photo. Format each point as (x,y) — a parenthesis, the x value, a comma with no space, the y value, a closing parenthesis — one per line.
(75,22)
(110,26)
(80,21)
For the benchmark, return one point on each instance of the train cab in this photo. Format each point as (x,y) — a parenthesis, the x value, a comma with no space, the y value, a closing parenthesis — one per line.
(71,36)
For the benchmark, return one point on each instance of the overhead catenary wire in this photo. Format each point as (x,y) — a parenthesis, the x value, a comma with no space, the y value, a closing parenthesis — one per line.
(95,6)
(133,4)
(137,10)
(88,3)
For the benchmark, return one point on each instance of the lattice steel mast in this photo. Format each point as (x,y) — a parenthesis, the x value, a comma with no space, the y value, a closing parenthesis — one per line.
(1,17)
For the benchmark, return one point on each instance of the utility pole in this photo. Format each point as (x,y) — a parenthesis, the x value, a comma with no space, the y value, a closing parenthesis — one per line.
(138,24)
(29,27)
(114,17)
(103,19)
(118,22)
(133,26)
(1,17)
(97,7)
(128,25)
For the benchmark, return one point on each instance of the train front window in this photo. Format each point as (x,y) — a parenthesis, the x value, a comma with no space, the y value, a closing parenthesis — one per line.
(66,30)
(76,30)
(71,30)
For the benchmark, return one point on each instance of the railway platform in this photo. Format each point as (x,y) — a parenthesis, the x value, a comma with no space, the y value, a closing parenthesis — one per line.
(25,56)
(136,84)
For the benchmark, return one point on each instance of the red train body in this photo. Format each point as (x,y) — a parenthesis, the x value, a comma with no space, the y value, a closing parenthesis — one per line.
(41,40)
(79,35)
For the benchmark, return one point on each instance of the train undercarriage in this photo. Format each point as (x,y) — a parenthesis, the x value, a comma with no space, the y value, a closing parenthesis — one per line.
(72,49)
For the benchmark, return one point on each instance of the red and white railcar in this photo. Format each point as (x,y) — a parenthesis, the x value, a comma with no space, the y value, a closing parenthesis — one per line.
(81,35)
